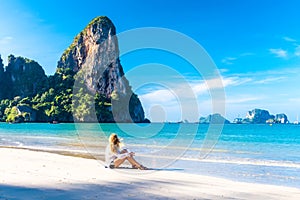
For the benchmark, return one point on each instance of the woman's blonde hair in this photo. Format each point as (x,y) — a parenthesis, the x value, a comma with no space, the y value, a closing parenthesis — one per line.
(114,143)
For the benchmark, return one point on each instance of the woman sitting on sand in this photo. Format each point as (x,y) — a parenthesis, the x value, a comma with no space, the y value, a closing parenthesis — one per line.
(118,155)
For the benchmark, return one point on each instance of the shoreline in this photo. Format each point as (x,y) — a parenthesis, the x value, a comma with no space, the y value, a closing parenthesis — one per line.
(29,174)
(188,167)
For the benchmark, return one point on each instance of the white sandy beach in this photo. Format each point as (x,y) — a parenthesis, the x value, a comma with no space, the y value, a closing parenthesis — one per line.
(30,175)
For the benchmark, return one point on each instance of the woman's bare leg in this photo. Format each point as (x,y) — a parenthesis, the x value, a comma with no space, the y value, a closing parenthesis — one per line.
(133,162)
(118,162)
(130,159)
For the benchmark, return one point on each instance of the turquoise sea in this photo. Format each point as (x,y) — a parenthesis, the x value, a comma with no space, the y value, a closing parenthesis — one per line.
(242,152)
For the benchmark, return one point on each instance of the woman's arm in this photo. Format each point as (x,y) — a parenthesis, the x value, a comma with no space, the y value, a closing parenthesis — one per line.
(122,155)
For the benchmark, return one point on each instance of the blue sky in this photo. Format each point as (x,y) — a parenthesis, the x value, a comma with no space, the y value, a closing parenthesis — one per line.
(254,44)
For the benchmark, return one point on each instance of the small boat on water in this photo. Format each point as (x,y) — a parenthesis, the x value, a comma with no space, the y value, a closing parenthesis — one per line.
(55,121)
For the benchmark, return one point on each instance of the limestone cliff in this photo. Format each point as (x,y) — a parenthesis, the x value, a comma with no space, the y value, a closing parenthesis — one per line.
(22,77)
(281,118)
(1,78)
(1,66)
(258,116)
(94,54)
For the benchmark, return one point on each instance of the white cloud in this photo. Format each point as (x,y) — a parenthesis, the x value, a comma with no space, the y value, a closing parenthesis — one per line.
(187,92)
(236,100)
(223,70)
(201,87)
(270,80)
(294,42)
(295,100)
(241,94)
(5,40)
(228,60)
(181,99)
(219,83)
(287,71)
(163,100)
(279,53)
(236,81)
(297,51)
(288,39)
(170,104)
(158,96)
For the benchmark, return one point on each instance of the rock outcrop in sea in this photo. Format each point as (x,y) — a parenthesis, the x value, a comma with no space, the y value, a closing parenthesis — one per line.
(260,116)
(213,119)
(281,118)
(255,116)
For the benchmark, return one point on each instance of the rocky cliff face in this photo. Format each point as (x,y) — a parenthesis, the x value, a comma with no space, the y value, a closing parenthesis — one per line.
(1,66)
(281,118)
(22,77)
(258,116)
(1,78)
(94,55)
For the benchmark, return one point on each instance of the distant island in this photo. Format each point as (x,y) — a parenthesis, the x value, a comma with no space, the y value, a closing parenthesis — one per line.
(255,116)
(28,95)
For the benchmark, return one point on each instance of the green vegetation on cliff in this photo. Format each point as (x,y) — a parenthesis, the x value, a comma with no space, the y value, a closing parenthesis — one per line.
(28,95)
(56,102)
(53,104)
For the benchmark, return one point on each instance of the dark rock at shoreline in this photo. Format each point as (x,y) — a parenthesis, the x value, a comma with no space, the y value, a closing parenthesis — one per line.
(28,113)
